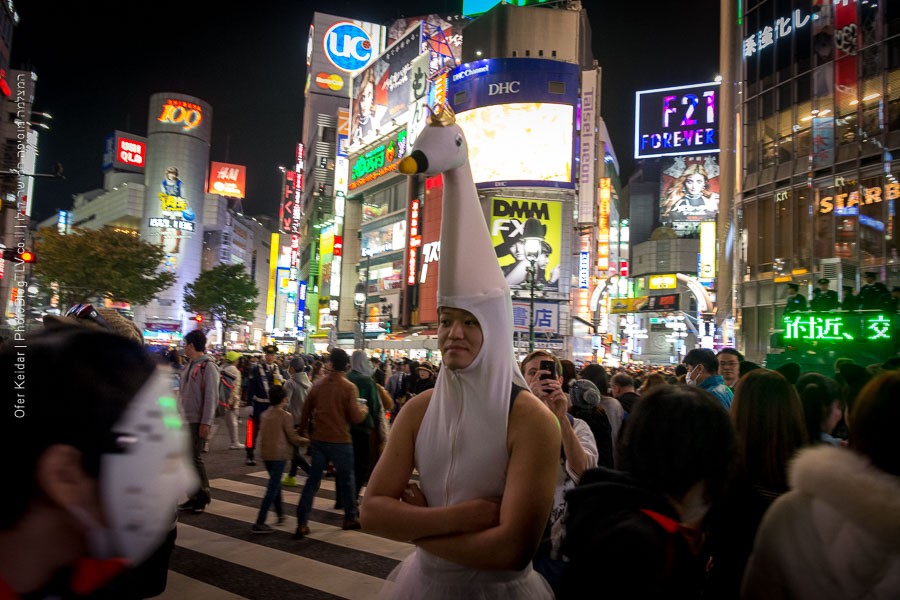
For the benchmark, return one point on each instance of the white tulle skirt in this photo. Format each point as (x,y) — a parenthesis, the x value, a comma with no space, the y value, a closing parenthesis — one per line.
(427,577)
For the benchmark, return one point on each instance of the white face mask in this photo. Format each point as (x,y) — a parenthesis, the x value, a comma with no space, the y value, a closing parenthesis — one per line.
(688,377)
(141,484)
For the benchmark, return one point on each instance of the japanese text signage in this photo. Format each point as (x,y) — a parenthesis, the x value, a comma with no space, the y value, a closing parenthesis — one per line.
(828,327)
(378,162)
(603,225)
(780,30)
(415,241)
(677,120)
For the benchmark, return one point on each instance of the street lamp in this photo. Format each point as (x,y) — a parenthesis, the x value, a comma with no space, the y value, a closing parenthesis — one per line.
(533,238)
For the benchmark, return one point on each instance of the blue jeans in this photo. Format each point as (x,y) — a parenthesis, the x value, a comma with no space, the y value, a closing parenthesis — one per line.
(273,490)
(341,456)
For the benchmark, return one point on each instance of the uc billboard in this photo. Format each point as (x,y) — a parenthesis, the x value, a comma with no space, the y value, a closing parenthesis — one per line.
(518,115)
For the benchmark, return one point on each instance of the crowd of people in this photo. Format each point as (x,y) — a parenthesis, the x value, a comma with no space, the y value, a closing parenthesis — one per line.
(702,479)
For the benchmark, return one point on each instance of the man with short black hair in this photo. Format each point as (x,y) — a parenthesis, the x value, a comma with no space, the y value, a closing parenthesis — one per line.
(622,387)
(730,366)
(199,396)
(703,371)
(333,402)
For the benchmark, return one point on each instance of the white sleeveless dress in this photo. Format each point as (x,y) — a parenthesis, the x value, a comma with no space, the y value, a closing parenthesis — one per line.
(461,454)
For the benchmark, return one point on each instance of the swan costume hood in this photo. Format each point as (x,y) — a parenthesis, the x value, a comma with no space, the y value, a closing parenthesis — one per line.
(461,450)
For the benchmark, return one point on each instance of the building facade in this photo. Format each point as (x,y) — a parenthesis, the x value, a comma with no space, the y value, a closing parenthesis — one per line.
(819,115)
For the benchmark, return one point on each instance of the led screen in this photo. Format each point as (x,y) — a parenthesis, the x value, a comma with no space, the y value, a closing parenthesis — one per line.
(502,141)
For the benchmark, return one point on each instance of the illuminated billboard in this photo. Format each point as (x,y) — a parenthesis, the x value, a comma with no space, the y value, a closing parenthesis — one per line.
(381,92)
(677,120)
(508,216)
(442,35)
(507,108)
(125,152)
(336,48)
(377,162)
(227,180)
(689,189)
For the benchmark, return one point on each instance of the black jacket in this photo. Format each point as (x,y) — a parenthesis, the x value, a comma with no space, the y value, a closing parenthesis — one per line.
(618,551)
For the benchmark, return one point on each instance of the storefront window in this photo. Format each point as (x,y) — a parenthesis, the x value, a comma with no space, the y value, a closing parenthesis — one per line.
(868,22)
(824,239)
(783,230)
(893,84)
(388,200)
(751,156)
(872,221)
(846,219)
(766,231)
(802,227)
(750,231)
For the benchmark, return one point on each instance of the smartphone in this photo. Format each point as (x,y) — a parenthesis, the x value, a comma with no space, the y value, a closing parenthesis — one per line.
(548,365)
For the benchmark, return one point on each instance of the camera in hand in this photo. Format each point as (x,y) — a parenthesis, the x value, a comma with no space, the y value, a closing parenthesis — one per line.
(548,365)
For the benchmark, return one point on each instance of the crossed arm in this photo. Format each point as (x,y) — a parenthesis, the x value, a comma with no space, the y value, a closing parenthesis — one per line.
(483,533)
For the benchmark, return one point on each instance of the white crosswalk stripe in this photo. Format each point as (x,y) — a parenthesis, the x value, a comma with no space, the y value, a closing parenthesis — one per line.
(216,556)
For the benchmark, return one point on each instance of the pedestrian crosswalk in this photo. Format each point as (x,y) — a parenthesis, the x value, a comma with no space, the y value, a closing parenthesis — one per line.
(217,557)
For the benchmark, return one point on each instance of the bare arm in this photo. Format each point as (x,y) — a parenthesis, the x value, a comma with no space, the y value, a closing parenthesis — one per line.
(533,439)
(550,392)
(384,513)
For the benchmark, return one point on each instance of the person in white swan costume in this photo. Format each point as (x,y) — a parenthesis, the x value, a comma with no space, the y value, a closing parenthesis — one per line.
(486,451)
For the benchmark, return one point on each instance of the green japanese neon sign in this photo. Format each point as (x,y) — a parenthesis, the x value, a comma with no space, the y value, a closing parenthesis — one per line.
(831,327)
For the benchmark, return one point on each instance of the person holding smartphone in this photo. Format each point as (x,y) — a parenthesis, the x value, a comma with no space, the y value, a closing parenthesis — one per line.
(579,453)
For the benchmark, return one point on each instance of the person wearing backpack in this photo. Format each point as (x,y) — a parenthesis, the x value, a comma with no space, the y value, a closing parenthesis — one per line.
(199,397)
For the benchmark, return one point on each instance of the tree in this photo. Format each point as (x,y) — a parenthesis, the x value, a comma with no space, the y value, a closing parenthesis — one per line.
(87,263)
(225,292)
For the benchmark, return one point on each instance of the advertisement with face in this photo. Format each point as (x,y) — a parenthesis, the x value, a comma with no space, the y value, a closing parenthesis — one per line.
(442,37)
(689,189)
(381,91)
(508,216)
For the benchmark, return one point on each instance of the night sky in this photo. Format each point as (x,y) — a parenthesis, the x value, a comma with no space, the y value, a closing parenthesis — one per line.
(98,63)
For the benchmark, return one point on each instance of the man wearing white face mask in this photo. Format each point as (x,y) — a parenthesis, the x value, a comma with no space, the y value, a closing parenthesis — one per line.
(98,469)
(703,371)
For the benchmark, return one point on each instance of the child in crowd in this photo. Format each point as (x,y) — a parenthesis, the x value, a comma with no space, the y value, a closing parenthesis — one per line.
(276,431)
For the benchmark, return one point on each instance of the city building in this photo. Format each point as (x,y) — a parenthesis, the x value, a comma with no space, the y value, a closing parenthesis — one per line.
(163,189)
(819,134)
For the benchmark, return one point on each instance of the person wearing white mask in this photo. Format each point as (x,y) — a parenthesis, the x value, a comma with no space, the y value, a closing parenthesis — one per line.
(99,465)
(703,371)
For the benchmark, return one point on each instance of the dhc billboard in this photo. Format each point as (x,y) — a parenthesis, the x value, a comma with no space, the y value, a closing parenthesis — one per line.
(511,107)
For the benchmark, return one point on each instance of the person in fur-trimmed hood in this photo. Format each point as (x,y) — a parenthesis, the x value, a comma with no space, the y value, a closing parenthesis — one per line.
(836,534)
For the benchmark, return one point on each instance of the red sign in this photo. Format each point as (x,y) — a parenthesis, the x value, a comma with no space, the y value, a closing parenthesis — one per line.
(415,240)
(338,246)
(227,180)
(129,152)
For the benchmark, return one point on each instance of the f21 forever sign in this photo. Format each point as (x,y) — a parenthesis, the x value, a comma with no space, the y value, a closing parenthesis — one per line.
(677,120)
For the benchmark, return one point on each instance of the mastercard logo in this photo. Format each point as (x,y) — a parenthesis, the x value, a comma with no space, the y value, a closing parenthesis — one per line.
(328,81)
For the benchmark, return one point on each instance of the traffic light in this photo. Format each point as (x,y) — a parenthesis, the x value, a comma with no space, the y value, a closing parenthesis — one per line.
(26,256)
(198,318)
